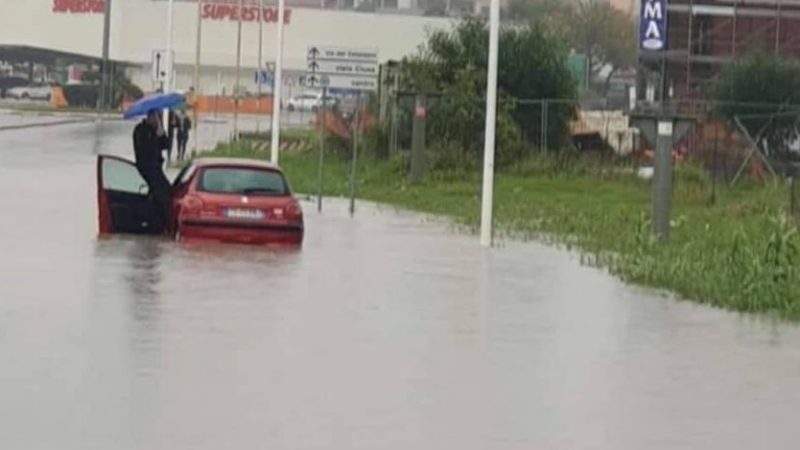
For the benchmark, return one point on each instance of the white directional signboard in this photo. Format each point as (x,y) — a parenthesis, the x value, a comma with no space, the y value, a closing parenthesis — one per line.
(342,68)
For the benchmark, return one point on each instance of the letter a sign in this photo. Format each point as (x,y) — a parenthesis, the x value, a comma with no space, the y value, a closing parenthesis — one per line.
(653,28)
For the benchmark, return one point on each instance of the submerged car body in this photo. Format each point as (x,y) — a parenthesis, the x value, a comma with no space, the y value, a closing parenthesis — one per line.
(220,199)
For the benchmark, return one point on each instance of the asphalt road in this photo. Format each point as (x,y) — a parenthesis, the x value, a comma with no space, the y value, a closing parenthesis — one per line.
(385,331)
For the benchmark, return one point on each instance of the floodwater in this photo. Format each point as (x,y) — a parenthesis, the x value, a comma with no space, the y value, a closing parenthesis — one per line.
(386,331)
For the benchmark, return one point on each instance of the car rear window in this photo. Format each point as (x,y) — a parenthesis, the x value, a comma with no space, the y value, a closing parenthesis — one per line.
(233,180)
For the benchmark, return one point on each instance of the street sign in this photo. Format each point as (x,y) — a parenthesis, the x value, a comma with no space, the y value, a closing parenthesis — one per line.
(342,68)
(159,65)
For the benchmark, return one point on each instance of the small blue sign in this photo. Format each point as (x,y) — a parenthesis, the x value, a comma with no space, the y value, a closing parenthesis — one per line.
(263,77)
(653,25)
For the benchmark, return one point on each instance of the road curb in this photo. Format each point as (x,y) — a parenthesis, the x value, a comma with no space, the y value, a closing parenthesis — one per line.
(42,124)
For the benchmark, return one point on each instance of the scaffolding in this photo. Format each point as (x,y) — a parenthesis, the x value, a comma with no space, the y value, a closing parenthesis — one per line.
(704,35)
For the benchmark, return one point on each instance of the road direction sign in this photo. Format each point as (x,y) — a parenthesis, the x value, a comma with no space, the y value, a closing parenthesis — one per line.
(342,67)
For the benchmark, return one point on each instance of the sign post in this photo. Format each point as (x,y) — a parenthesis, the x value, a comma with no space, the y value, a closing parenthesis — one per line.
(341,68)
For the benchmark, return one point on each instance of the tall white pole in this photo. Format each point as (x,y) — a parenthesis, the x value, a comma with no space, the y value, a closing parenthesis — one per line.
(238,73)
(491,114)
(195,112)
(170,62)
(276,92)
(259,68)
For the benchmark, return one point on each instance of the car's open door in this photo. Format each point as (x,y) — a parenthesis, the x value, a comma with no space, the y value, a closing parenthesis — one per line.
(123,203)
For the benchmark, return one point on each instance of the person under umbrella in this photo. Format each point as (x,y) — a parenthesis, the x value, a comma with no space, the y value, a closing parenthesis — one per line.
(149,140)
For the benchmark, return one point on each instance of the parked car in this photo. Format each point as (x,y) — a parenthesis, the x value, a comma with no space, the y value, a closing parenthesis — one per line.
(31,92)
(219,199)
(309,102)
(7,83)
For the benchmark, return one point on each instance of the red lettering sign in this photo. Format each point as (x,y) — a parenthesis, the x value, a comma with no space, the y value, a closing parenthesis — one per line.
(79,6)
(215,11)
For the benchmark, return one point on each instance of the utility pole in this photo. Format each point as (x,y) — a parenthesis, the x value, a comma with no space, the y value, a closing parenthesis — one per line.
(170,62)
(238,73)
(260,50)
(195,113)
(104,90)
(491,113)
(276,91)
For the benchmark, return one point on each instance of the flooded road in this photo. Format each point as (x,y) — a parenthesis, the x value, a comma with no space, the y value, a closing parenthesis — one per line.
(386,331)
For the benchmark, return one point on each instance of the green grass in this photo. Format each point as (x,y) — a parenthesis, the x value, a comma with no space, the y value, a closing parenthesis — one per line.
(739,253)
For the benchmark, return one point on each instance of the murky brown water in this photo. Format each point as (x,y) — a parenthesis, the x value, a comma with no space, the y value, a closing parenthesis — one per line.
(386,331)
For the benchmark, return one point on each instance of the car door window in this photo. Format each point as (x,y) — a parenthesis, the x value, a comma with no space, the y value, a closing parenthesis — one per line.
(122,176)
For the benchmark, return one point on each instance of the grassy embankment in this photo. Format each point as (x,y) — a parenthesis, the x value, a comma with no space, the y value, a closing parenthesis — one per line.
(739,252)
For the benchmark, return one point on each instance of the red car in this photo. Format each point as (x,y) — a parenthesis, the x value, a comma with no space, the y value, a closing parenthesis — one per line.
(221,199)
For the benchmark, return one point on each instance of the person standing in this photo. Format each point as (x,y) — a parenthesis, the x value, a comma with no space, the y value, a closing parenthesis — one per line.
(149,140)
(173,126)
(184,126)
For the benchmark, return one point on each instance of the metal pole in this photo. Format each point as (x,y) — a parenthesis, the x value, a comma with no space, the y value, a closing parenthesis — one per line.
(276,91)
(355,156)
(260,51)
(196,83)
(662,180)
(418,138)
(491,113)
(542,127)
(169,62)
(238,72)
(104,94)
(321,124)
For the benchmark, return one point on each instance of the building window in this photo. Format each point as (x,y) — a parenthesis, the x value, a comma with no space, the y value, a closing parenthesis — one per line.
(701,37)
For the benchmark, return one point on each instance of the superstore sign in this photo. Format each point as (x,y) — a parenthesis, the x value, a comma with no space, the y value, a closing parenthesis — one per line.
(211,10)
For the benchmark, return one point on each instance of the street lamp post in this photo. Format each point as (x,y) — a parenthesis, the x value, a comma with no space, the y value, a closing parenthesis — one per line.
(196,84)
(260,52)
(104,90)
(170,62)
(238,73)
(491,113)
(276,91)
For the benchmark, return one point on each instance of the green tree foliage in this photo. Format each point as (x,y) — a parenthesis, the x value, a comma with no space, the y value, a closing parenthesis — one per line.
(762,90)
(532,65)
(122,86)
(604,34)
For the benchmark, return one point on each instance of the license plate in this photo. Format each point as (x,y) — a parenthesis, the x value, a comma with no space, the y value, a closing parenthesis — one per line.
(240,213)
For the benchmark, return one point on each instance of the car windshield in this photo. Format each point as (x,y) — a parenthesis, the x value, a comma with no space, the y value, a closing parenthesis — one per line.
(232,180)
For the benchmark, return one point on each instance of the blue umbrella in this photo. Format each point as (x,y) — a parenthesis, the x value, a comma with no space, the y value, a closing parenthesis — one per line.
(155,101)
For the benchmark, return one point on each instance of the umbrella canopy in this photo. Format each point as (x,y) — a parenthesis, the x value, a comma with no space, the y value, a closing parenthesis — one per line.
(155,101)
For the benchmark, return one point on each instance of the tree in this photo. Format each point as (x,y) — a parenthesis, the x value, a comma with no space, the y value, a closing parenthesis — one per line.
(532,10)
(762,91)
(604,34)
(532,65)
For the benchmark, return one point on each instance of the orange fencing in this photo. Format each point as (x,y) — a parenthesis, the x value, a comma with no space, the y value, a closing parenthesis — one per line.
(219,104)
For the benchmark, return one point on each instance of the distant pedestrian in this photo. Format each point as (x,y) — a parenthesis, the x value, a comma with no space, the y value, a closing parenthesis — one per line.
(184,126)
(173,126)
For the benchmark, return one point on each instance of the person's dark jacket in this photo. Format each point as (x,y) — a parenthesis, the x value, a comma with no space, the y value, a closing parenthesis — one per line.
(147,146)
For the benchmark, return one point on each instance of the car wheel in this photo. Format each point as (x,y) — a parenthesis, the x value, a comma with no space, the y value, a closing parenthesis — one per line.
(290,107)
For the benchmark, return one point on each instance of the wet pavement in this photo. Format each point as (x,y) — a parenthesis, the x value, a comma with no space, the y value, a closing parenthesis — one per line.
(386,331)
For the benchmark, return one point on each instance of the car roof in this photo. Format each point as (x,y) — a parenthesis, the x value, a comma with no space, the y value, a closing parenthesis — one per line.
(235,162)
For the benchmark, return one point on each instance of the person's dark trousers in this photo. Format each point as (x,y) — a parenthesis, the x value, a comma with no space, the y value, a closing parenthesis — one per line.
(182,141)
(171,140)
(161,192)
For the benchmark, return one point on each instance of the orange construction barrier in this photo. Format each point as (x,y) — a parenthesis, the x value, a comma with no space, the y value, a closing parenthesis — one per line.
(219,104)
(57,98)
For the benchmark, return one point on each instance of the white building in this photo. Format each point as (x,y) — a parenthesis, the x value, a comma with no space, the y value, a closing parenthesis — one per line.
(138,27)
